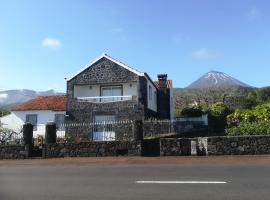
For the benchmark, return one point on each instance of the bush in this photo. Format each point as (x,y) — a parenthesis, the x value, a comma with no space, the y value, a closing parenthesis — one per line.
(255,121)
(247,128)
(191,112)
(217,114)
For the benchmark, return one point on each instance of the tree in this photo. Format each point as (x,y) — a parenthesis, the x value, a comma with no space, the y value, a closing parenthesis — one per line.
(217,114)
(263,94)
(3,112)
(255,121)
(191,112)
(7,135)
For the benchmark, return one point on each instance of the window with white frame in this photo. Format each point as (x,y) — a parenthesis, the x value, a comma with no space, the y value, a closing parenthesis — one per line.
(59,120)
(114,93)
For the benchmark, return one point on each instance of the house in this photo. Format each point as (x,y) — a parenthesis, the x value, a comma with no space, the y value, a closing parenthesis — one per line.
(109,90)
(37,111)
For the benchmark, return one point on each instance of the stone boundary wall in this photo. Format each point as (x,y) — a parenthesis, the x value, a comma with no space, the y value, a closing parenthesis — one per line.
(220,145)
(14,152)
(238,145)
(92,149)
(175,146)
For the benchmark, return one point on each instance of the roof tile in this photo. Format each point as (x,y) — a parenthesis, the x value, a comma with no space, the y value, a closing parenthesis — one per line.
(54,103)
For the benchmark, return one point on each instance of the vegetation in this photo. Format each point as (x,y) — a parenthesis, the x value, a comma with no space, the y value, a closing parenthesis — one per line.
(255,121)
(234,97)
(233,110)
(4,111)
(7,135)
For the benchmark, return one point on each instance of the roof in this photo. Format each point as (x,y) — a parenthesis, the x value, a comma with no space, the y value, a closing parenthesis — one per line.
(54,103)
(111,59)
(168,83)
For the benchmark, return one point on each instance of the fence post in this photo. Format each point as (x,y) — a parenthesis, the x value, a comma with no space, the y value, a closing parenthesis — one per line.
(28,138)
(138,129)
(50,133)
(28,134)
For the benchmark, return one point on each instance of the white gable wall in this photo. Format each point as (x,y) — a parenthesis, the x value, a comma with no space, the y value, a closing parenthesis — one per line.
(16,119)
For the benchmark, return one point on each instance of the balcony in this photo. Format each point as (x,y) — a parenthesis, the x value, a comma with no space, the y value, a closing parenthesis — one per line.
(106,99)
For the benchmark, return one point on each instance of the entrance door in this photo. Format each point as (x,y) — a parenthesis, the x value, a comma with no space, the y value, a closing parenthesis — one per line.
(103,128)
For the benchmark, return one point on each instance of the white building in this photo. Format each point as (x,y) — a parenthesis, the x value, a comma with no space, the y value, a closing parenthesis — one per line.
(38,111)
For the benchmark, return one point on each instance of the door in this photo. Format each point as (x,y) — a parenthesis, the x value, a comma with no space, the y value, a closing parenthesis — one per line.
(103,128)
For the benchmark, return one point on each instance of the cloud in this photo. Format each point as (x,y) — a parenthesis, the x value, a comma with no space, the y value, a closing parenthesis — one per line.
(3,96)
(52,43)
(254,14)
(204,54)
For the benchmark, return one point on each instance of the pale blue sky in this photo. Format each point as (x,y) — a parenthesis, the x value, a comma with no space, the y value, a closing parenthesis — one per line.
(42,42)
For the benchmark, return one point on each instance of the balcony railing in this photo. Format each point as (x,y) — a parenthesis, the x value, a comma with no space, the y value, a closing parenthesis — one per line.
(106,99)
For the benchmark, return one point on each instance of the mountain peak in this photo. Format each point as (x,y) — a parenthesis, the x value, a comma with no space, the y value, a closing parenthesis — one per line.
(216,79)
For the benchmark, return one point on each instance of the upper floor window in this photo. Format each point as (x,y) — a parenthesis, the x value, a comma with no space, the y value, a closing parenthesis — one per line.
(150,92)
(111,91)
(32,118)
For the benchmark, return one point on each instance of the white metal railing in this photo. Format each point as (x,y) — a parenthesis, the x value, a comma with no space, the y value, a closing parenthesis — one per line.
(106,99)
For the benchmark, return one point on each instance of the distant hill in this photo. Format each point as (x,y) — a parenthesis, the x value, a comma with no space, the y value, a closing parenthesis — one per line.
(216,79)
(9,98)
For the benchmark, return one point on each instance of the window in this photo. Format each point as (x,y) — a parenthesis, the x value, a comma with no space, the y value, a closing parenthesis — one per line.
(33,120)
(150,92)
(155,97)
(59,120)
(113,93)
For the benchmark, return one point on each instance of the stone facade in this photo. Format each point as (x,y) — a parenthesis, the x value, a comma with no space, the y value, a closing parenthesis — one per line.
(238,145)
(92,149)
(106,72)
(14,152)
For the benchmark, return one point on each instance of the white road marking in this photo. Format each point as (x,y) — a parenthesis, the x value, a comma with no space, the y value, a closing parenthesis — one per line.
(181,182)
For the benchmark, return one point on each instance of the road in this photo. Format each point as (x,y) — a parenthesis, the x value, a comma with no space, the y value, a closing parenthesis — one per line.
(117,178)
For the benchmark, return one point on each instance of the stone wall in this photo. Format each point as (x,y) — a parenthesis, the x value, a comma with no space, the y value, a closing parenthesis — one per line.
(175,147)
(13,152)
(238,145)
(92,149)
(222,145)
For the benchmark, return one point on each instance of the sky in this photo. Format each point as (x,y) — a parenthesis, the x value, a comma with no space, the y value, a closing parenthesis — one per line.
(42,42)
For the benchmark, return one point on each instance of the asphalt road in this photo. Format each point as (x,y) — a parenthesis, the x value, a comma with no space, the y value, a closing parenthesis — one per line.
(118,181)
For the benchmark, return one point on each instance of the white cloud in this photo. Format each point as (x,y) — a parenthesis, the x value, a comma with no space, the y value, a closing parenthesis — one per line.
(3,96)
(254,14)
(51,43)
(204,54)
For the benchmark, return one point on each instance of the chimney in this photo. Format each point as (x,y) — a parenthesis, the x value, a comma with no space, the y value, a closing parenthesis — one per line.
(162,81)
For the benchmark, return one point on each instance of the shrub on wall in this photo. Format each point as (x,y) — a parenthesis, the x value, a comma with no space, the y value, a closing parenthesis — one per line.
(255,121)
(217,114)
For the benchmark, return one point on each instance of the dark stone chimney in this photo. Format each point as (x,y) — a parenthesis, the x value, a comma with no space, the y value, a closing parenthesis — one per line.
(162,81)
(163,97)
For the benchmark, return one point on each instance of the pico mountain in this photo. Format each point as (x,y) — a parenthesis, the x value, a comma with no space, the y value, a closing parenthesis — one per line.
(216,79)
